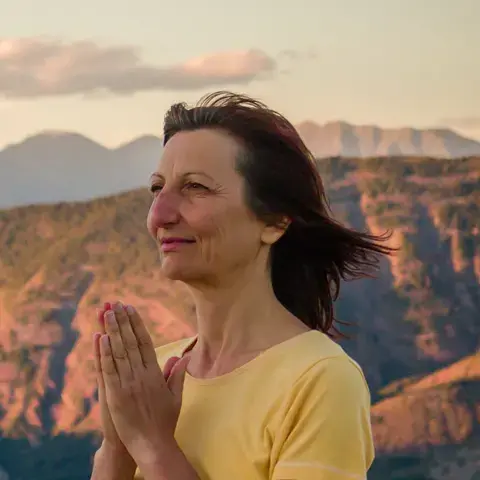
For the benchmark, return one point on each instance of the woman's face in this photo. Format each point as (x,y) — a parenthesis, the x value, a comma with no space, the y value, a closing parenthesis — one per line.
(198,215)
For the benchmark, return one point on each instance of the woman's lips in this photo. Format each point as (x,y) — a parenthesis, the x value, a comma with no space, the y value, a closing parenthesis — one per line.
(173,243)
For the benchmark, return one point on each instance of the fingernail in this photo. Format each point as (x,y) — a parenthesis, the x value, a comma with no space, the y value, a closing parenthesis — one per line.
(107,306)
(130,309)
(118,307)
(110,317)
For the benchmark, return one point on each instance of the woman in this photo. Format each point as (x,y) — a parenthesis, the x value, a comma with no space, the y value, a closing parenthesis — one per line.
(239,214)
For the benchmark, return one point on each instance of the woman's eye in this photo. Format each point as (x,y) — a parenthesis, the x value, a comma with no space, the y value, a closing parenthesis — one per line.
(155,189)
(195,186)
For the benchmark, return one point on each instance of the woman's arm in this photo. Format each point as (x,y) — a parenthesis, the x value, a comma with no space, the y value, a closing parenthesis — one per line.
(325,432)
(169,464)
(109,464)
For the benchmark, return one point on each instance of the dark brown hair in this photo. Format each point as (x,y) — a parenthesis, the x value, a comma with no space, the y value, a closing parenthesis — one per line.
(316,252)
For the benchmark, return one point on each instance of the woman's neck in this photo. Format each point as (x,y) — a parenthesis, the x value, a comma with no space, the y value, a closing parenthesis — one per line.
(239,320)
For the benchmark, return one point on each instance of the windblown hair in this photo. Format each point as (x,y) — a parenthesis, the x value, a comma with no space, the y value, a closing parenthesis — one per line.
(316,252)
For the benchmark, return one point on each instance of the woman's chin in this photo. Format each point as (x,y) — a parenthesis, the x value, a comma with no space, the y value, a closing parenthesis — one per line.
(172,273)
(174,270)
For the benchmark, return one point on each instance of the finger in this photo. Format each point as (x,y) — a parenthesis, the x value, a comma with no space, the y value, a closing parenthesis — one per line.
(101,319)
(106,307)
(144,340)
(119,352)
(176,380)
(129,339)
(107,364)
(98,366)
(169,364)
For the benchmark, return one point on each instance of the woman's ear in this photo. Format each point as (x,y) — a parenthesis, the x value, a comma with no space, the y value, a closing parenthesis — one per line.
(273,233)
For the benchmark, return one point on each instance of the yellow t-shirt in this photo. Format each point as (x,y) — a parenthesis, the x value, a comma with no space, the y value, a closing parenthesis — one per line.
(298,411)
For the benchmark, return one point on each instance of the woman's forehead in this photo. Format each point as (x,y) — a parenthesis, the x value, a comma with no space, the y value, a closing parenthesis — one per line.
(207,151)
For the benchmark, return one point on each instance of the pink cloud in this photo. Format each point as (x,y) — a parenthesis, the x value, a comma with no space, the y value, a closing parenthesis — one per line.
(37,67)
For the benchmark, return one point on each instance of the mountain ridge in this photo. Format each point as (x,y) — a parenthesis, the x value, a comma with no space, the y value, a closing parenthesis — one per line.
(52,167)
(303,125)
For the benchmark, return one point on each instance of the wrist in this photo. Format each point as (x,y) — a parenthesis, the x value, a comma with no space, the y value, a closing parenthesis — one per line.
(168,462)
(110,450)
(113,462)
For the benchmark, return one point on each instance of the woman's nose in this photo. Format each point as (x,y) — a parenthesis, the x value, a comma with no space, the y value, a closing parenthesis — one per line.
(165,209)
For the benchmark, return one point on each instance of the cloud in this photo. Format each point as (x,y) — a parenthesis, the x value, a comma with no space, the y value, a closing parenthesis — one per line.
(39,67)
(466,123)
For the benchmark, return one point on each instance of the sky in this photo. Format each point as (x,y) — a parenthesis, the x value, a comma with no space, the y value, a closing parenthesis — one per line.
(109,69)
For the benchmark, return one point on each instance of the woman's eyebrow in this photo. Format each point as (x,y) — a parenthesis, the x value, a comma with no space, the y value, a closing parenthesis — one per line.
(157,176)
(186,174)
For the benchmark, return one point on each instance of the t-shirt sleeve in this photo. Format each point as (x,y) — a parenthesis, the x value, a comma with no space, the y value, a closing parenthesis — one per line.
(325,433)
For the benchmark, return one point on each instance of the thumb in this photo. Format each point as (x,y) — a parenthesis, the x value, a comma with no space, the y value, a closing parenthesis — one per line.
(168,367)
(176,379)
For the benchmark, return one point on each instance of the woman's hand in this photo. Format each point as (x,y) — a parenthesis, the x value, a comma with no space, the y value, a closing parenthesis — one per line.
(110,435)
(112,456)
(144,408)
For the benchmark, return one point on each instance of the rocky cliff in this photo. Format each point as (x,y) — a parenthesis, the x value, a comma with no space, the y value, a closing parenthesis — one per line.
(416,330)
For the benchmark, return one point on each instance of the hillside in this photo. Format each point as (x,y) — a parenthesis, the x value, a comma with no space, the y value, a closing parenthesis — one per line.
(417,333)
(430,428)
(55,167)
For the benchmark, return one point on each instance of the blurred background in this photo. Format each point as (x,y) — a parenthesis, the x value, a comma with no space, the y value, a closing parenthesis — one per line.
(385,93)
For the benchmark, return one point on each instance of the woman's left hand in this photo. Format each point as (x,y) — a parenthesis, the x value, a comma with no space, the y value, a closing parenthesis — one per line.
(143,406)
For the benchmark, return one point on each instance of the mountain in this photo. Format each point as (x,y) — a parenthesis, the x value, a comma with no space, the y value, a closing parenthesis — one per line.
(433,422)
(343,139)
(60,166)
(415,328)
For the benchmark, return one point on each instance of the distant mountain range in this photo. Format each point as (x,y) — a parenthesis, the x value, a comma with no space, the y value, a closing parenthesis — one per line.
(346,140)
(61,166)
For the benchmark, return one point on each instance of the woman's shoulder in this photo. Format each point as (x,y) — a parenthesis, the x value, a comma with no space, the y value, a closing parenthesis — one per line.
(313,347)
(317,359)
(323,413)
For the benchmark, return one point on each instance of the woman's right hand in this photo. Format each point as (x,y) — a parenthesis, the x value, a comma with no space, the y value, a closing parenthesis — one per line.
(112,459)
(112,448)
